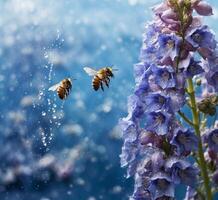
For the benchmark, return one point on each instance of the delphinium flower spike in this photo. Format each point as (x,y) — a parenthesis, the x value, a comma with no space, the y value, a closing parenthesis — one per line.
(178,71)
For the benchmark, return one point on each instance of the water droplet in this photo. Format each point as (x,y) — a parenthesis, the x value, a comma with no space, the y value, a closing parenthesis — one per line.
(50,72)
(43,113)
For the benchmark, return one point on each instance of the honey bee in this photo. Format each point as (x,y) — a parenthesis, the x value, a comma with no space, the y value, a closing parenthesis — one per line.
(100,77)
(63,88)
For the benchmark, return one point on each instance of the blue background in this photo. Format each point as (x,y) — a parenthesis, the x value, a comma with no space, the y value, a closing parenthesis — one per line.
(50,149)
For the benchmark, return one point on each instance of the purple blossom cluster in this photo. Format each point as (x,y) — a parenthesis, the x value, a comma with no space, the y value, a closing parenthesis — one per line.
(163,146)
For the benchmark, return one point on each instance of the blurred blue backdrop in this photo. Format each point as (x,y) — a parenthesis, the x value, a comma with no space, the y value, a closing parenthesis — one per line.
(52,150)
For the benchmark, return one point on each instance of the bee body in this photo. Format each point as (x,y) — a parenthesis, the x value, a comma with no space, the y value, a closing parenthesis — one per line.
(96,81)
(63,88)
(100,77)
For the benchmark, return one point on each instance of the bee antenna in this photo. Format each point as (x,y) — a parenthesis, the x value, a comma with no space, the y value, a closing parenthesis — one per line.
(72,78)
(114,69)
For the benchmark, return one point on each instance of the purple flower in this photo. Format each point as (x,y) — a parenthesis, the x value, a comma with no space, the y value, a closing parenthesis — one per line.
(212,79)
(170,18)
(149,164)
(155,154)
(149,47)
(213,61)
(184,140)
(180,81)
(150,35)
(181,171)
(129,129)
(142,72)
(147,137)
(177,99)
(129,157)
(203,8)
(169,45)
(166,17)
(212,139)
(161,185)
(194,68)
(157,160)
(129,151)
(164,76)
(149,53)
(184,63)
(156,101)
(202,37)
(211,68)
(135,107)
(140,194)
(158,122)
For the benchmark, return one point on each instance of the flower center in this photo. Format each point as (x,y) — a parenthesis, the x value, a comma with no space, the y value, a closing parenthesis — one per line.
(165,76)
(159,119)
(162,184)
(183,138)
(161,100)
(170,44)
(197,37)
(183,174)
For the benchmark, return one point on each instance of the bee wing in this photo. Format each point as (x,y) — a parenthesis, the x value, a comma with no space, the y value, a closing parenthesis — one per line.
(54,87)
(90,71)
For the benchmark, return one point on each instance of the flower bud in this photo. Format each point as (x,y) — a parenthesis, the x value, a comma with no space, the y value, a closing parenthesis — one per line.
(198,82)
(207,106)
(202,8)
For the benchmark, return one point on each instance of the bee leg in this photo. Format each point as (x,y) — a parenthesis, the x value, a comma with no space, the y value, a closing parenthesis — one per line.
(102,86)
(106,83)
(108,79)
(67,92)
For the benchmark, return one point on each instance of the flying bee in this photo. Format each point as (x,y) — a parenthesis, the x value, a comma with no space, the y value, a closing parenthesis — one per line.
(100,77)
(63,88)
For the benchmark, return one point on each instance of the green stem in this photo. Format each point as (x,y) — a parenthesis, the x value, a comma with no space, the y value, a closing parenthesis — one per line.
(204,121)
(186,119)
(196,122)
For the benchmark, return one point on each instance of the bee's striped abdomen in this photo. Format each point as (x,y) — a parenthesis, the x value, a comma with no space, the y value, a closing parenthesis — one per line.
(61,92)
(96,82)
(63,88)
